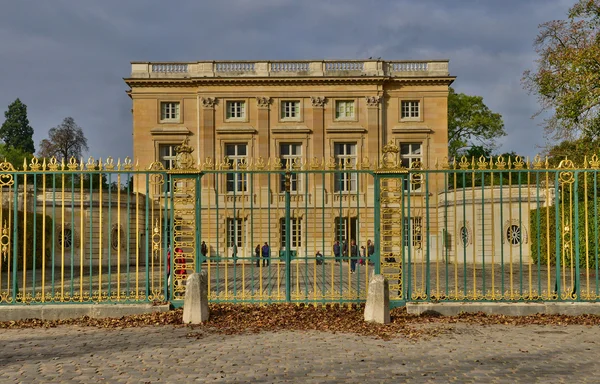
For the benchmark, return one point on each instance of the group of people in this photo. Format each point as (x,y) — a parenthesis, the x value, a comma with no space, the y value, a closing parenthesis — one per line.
(344,251)
(265,252)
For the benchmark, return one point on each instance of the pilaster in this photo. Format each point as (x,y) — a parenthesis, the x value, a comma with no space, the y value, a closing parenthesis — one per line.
(374,128)
(264,143)
(318,126)
(208,144)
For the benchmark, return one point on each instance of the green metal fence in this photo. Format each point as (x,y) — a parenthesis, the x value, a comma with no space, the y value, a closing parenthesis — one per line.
(299,231)
(494,230)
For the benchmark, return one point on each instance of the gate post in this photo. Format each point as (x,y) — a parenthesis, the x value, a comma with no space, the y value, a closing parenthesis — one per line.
(377,224)
(389,221)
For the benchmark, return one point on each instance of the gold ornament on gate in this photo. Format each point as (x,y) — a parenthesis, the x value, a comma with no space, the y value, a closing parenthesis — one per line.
(184,159)
(389,159)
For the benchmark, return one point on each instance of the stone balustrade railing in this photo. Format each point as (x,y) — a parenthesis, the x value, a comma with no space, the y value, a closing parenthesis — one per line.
(325,68)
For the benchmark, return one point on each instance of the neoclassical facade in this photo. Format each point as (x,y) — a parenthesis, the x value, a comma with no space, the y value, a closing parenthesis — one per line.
(308,108)
(336,111)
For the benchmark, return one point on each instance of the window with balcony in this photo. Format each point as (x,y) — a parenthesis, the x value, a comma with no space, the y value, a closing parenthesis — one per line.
(290,154)
(410,153)
(236,153)
(345,158)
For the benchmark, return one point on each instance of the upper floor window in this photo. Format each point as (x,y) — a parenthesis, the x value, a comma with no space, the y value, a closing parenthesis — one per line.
(344,109)
(290,110)
(290,154)
(410,109)
(236,109)
(409,154)
(169,111)
(345,158)
(236,153)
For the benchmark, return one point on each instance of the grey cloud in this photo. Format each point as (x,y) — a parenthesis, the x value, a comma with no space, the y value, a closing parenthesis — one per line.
(68,58)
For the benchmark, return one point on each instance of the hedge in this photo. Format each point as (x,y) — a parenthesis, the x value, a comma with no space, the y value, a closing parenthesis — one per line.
(593,243)
(30,233)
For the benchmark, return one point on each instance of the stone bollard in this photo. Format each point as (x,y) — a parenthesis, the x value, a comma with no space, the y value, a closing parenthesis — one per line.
(195,303)
(377,308)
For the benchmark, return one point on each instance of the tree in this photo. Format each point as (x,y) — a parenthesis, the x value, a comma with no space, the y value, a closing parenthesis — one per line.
(65,141)
(567,74)
(14,156)
(578,151)
(470,121)
(16,131)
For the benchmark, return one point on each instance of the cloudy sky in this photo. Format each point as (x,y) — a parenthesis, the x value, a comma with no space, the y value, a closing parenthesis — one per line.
(69,57)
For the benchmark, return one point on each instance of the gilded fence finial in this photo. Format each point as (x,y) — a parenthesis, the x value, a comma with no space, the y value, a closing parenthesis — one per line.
(184,159)
(389,158)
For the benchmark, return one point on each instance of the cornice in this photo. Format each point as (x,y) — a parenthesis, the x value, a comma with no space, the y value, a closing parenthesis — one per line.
(193,82)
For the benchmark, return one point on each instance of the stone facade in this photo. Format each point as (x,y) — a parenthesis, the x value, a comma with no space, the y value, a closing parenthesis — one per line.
(371,93)
(327,110)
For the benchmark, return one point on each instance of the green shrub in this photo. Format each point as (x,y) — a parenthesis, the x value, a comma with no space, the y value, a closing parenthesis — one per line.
(30,235)
(549,224)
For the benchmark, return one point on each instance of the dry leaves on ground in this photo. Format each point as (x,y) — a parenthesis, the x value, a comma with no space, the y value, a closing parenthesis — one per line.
(235,319)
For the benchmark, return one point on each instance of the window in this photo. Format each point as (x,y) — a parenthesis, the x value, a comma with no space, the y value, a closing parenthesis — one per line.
(345,158)
(235,231)
(236,109)
(344,109)
(116,236)
(343,231)
(513,234)
(410,109)
(168,157)
(409,153)
(236,182)
(296,233)
(169,111)
(413,232)
(290,110)
(289,153)
(465,236)
(65,241)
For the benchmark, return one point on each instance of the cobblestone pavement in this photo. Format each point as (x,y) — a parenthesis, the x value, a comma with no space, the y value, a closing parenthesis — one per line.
(167,354)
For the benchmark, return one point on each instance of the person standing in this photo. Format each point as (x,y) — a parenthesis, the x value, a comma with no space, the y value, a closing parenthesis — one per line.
(234,253)
(266,252)
(363,255)
(204,251)
(336,251)
(353,255)
(370,251)
(257,254)
(345,249)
